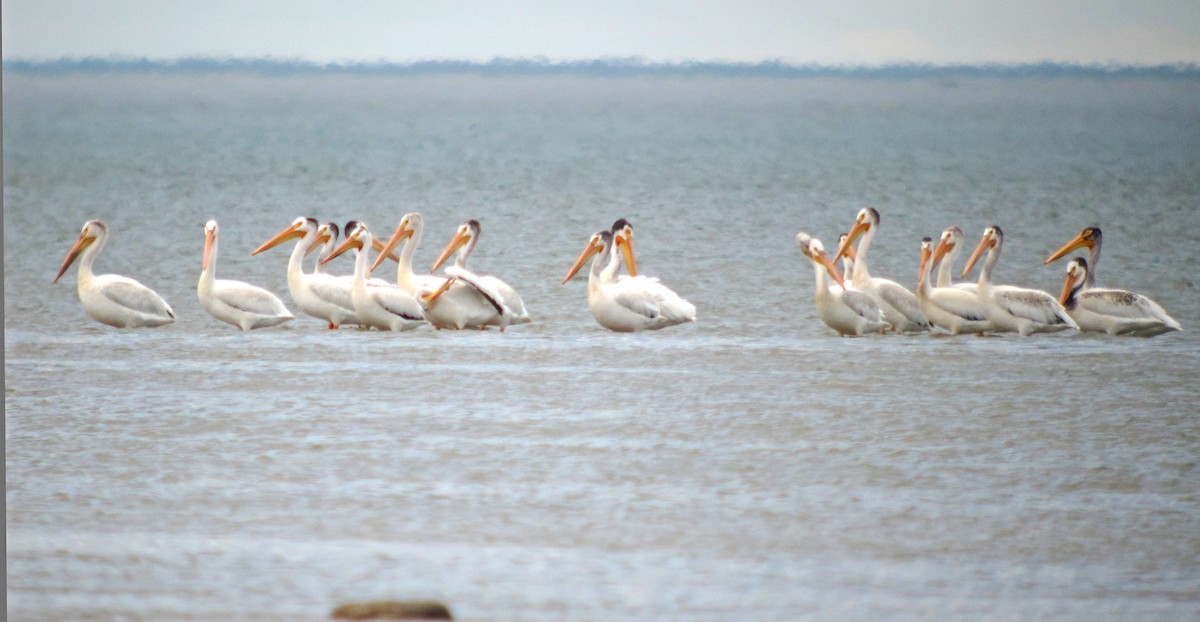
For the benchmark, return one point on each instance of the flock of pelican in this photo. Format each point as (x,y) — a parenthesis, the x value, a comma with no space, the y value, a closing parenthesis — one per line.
(462,299)
(870,304)
(457,299)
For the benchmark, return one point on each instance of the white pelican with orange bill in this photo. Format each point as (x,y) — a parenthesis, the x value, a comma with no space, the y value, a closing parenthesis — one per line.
(318,294)
(847,311)
(1014,309)
(900,306)
(241,304)
(505,300)
(1112,311)
(384,308)
(952,308)
(112,299)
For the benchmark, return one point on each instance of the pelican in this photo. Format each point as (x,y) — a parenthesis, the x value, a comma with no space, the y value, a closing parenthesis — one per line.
(948,248)
(235,302)
(848,311)
(327,234)
(459,306)
(1014,309)
(464,240)
(848,258)
(385,308)
(1112,311)
(673,306)
(1090,237)
(626,305)
(323,296)
(899,306)
(954,309)
(109,298)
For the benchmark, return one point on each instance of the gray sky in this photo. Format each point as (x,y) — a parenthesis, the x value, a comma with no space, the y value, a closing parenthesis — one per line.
(825,32)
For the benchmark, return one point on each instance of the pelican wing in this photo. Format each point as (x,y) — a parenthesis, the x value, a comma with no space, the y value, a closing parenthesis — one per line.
(959,302)
(1124,304)
(632,295)
(1034,305)
(332,289)
(486,286)
(903,300)
(397,302)
(133,295)
(862,304)
(671,305)
(248,298)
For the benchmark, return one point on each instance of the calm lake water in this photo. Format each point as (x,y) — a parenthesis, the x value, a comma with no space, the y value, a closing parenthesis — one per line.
(748,466)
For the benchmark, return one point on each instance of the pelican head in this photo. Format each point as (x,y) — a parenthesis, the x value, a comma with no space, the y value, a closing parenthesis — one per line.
(814,250)
(355,233)
(409,223)
(949,240)
(92,230)
(210,239)
(1089,237)
(622,236)
(993,237)
(1077,271)
(598,243)
(465,236)
(299,228)
(868,218)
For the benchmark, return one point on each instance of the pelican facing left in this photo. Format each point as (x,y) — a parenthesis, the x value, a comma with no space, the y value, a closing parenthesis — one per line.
(109,298)
(241,304)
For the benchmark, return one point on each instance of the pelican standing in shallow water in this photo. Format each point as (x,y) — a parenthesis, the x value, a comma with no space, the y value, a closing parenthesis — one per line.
(848,311)
(385,308)
(900,306)
(626,305)
(954,309)
(1112,311)
(318,294)
(241,304)
(109,298)
(1014,309)
(509,306)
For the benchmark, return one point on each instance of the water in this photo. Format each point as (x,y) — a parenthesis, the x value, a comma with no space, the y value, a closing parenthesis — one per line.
(748,466)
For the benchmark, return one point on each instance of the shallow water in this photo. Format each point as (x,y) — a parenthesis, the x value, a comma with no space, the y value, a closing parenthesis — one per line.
(749,466)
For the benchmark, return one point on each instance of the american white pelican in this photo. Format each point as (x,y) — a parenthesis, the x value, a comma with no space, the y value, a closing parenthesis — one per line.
(385,308)
(327,234)
(673,305)
(848,311)
(948,248)
(1112,311)
(954,309)
(631,304)
(109,298)
(900,307)
(461,305)
(318,294)
(241,304)
(1014,309)
(464,240)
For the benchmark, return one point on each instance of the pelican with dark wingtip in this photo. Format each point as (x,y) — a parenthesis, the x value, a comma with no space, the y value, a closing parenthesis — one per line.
(1112,311)
(900,306)
(847,311)
(1014,309)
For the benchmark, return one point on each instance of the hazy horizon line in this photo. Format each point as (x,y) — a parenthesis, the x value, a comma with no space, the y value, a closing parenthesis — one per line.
(621,66)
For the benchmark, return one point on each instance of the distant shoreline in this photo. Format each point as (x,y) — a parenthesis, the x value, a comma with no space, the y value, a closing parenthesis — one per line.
(619,67)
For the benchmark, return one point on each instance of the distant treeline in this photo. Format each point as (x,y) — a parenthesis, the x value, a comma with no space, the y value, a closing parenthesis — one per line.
(615,67)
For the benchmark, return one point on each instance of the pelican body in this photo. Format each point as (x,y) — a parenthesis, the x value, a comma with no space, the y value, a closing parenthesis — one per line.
(899,306)
(384,308)
(1112,311)
(626,305)
(952,308)
(1014,309)
(241,304)
(847,311)
(505,301)
(112,299)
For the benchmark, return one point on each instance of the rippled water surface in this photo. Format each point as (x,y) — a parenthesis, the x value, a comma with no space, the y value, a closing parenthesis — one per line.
(748,466)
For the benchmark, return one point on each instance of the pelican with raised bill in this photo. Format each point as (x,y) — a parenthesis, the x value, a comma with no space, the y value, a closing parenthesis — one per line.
(112,299)
(1112,311)
(384,308)
(626,305)
(900,306)
(952,308)
(507,303)
(948,248)
(847,311)
(323,296)
(241,304)
(1014,309)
